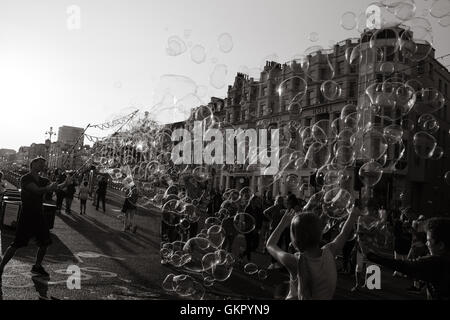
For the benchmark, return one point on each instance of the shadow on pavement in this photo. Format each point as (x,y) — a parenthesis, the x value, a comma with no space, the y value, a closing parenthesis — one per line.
(108,240)
(58,251)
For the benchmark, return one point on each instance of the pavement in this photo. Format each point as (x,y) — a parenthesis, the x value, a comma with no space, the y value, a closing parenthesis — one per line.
(112,264)
(117,265)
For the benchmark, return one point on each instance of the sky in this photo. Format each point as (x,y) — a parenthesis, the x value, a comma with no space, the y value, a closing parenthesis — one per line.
(55,72)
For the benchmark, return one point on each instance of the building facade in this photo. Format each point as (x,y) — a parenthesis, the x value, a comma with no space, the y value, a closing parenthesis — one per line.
(70,135)
(317,87)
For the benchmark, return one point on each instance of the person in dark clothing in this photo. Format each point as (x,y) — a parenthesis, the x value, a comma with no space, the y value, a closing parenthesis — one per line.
(402,239)
(69,194)
(254,208)
(129,208)
(60,194)
(433,269)
(31,222)
(101,193)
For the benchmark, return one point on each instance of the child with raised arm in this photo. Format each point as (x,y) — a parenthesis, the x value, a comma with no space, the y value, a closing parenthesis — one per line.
(312,268)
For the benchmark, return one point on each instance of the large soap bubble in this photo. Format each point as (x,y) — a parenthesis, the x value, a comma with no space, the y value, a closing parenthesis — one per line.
(370,173)
(424,144)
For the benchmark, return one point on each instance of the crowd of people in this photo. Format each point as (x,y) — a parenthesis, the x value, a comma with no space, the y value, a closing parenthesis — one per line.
(307,244)
(83,186)
(296,237)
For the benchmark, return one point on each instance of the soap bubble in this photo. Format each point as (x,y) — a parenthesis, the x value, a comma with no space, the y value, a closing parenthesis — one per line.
(175,46)
(216,236)
(348,20)
(440,8)
(317,156)
(313,37)
(225,42)
(370,173)
(250,268)
(428,123)
(387,67)
(168,282)
(345,155)
(405,10)
(170,213)
(222,271)
(438,153)
(428,101)
(244,223)
(374,145)
(198,54)
(208,281)
(331,90)
(321,131)
(196,248)
(209,260)
(393,133)
(218,76)
(445,21)
(447,178)
(337,201)
(407,125)
(353,55)
(184,285)
(424,145)
(262,274)
(349,109)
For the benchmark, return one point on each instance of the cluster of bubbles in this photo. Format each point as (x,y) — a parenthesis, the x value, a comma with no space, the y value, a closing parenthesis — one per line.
(398,12)
(205,257)
(176,46)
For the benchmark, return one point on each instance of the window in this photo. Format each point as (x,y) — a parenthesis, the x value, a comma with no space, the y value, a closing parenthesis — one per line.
(323,73)
(295,83)
(352,90)
(380,55)
(379,77)
(430,71)
(321,98)
(421,67)
(307,122)
(390,53)
(401,57)
(341,69)
(264,91)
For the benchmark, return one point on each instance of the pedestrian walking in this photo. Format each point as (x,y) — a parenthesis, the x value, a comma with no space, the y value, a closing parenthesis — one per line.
(129,208)
(83,195)
(101,193)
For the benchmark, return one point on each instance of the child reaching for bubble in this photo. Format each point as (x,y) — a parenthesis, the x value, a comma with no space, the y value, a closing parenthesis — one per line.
(312,269)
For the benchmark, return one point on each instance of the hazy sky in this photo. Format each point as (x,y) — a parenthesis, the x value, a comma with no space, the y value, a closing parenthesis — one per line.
(53,76)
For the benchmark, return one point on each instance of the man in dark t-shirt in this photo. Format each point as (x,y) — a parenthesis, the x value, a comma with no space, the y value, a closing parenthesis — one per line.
(101,192)
(31,222)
